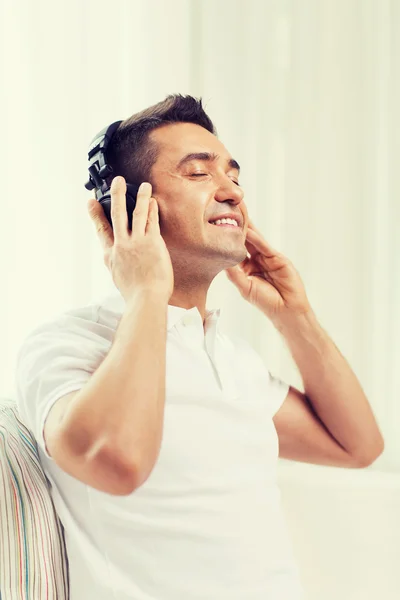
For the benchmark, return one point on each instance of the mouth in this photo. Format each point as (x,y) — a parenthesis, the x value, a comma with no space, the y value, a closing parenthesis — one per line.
(228,221)
(226,226)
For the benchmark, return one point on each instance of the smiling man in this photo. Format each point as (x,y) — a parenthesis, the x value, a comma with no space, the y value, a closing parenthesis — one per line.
(159,432)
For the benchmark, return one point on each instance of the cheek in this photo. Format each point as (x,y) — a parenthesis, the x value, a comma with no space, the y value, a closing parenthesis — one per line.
(243,208)
(181,209)
(177,223)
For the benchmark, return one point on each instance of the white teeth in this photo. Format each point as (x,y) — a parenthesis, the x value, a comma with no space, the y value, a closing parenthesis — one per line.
(227,221)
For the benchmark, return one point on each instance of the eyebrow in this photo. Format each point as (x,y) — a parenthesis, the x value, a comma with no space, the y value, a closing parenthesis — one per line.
(207,156)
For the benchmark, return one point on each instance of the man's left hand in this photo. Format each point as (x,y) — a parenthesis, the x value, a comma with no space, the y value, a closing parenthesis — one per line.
(269,280)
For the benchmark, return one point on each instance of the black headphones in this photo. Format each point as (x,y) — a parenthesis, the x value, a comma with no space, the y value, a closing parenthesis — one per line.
(99,170)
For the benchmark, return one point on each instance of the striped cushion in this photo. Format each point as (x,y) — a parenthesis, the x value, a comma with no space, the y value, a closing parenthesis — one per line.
(33,559)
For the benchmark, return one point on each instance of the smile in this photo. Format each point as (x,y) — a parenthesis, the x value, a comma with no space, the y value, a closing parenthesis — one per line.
(227,225)
(225,222)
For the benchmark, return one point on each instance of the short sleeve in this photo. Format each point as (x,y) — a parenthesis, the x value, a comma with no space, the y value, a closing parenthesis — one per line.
(278,390)
(57,358)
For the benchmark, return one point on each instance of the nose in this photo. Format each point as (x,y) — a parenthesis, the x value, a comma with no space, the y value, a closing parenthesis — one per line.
(228,191)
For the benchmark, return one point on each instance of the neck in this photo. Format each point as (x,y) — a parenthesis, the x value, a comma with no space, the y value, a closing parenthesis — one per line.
(190,292)
(189,301)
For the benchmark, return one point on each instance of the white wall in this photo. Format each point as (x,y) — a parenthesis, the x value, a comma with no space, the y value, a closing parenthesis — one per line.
(345,528)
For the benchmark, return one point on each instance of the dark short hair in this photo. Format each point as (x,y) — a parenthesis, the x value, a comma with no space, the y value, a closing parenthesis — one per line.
(132,154)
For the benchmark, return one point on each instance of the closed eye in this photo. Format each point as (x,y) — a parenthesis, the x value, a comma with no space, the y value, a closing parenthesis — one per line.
(202,175)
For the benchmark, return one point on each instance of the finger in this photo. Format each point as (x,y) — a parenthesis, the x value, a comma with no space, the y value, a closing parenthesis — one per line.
(140,215)
(251,249)
(253,229)
(252,226)
(103,228)
(256,240)
(153,223)
(119,216)
(239,278)
(244,263)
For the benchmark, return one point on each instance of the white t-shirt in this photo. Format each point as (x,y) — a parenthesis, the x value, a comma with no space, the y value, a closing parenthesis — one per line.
(207,524)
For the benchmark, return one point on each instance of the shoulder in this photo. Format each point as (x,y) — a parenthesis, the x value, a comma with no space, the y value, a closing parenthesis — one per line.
(72,330)
(73,320)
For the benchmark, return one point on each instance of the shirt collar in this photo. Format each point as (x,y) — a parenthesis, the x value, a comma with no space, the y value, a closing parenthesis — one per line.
(116,303)
(176,314)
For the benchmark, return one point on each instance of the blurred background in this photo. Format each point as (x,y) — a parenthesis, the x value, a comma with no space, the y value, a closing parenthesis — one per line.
(303,95)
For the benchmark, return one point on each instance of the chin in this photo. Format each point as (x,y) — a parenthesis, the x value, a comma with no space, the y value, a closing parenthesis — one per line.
(236,256)
(230,252)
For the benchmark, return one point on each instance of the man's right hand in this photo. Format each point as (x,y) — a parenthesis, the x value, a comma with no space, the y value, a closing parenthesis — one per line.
(138,259)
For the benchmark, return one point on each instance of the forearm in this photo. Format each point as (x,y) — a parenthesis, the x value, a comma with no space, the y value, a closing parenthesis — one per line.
(120,410)
(332,387)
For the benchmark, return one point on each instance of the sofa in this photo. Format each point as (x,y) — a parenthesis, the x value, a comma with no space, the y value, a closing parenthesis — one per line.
(33,558)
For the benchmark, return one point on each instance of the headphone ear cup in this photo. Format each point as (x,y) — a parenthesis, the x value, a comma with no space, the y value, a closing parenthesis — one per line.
(131,195)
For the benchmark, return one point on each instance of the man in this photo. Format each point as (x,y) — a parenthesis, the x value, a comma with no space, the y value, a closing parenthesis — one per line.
(159,433)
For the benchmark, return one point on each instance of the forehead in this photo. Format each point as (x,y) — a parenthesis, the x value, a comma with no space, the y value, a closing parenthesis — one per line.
(178,139)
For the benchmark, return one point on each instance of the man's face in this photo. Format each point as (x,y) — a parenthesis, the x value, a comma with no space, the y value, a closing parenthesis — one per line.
(192,192)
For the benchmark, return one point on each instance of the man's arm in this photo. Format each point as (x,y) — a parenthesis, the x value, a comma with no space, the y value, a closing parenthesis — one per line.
(333,392)
(116,419)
